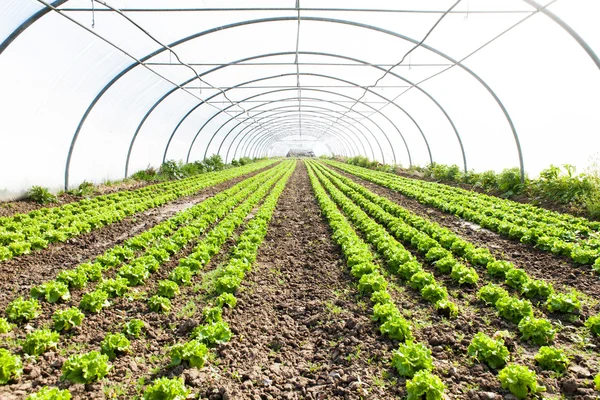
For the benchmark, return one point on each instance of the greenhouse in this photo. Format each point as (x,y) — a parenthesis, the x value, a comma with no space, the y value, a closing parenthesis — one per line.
(299,199)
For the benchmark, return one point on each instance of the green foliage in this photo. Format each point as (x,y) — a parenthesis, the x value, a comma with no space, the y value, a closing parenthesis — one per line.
(23,310)
(94,301)
(85,368)
(159,304)
(479,256)
(133,328)
(592,323)
(136,274)
(421,279)
(37,342)
(464,275)
(93,272)
(488,350)
(597,382)
(426,385)
(212,314)
(381,297)
(194,352)
(84,189)
(226,299)
(538,330)
(50,393)
(384,311)
(372,282)
(116,287)
(410,358)
(514,309)
(113,344)
(11,367)
(520,380)
(446,308)
(437,253)
(166,389)
(52,291)
(168,289)
(397,328)
(67,319)
(563,302)
(434,292)
(182,276)
(227,284)
(5,326)
(76,278)
(212,333)
(516,278)
(553,359)
(491,293)
(537,288)
(509,182)
(40,195)
(445,265)
(361,162)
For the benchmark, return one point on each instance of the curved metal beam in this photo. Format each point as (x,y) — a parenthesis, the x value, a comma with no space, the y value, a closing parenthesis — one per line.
(285,132)
(282,19)
(307,108)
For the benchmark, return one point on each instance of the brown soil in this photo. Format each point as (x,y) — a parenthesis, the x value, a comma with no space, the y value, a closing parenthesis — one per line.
(21,273)
(562,272)
(300,329)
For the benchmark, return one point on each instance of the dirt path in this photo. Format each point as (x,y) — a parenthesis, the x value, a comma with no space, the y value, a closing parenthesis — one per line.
(21,273)
(300,328)
(540,264)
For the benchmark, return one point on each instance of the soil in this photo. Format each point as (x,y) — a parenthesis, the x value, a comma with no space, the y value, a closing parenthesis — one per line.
(300,328)
(561,271)
(19,274)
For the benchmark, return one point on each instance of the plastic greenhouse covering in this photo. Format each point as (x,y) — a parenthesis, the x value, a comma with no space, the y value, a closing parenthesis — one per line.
(95,90)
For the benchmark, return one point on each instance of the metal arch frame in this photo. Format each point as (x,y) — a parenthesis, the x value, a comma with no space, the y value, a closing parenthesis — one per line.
(370,91)
(310,133)
(281,19)
(304,53)
(35,17)
(269,142)
(310,107)
(284,132)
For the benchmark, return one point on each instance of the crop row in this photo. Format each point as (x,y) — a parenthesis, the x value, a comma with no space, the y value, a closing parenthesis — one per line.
(563,234)
(23,233)
(484,348)
(214,208)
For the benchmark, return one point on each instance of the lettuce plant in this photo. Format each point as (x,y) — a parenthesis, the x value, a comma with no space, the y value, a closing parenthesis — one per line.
(372,282)
(50,393)
(38,342)
(537,288)
(421,279)
(410,358)
(514,309)
(23,310)
(434,292)
(426,385)
(194,352)
(52,291)
(76,278)
(159,304)
(212,314)
(181,275)
(94,301)
(500,268)
(445,265)
(553,359)
(516,278)
(136,274)
(93,272)
(491,293)
(384,311)
(166,389)
(563,302)
(446,308)
(227,284)
(85,368)
(11,366)
(113,344)
(5,326)
(168,289)
(520,380)
(396,328)
(212,333)
(114,287)
(67,319)
(592,323)
(486,349)
(538,330)
(227,299)
(133,328)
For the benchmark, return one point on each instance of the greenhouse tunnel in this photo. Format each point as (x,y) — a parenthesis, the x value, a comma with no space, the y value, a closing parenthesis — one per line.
(97,90)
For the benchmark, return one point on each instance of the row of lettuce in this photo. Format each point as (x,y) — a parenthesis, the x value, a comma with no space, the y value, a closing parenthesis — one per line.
(423,235)
(23,233)
(563,234)
(140,256)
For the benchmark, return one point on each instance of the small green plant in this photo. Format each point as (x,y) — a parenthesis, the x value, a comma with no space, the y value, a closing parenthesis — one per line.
(516,278)
(553,359)
(116,287)
(159,304)
(23,310)
(486,349)
(499,268)
(168,289)
(410,358)
(166,389)
(85,368)
(447,308)
(384,311)
(491,293)
(592,323)
(464,275)
(93,272)
(133,328)
(182,276)
(426,385)
(434,292)
(75,279)
(38,342)
(52,291)
(227,284)
(212,314)
(67,319)
(597,382)
(136,274)
(40,195)
(421,279)
(213,333)
(194,352)
(538,330)
(48,393)
(10,367)
(445,265)
(514,309)
(94,301)
(5,326)
(113,344)
(537,288)
(372,282)
(564,302)
(520,380)
(396,328)
(226,299)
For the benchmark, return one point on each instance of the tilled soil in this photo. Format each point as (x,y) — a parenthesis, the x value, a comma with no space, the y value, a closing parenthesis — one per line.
(21,273)
(562,272)
(301,332)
